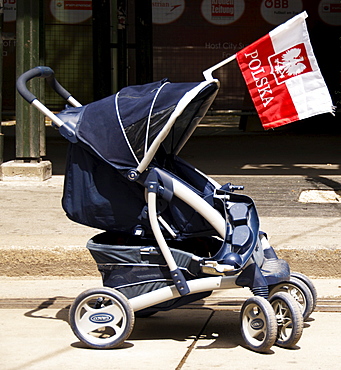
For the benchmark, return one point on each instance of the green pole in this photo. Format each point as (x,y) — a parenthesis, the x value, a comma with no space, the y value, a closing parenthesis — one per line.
(144,41)
(122,62)
(30,128)
(101,48)
(1,50)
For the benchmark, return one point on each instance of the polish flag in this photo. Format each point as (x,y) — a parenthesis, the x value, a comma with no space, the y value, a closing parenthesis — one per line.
(283,77)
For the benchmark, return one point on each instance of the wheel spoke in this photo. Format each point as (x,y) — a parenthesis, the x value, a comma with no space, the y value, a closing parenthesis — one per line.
(87,325)
(285,329)
(116,312)
(88,308)
(295,292)
(252,314)
(289,319)
(281,309)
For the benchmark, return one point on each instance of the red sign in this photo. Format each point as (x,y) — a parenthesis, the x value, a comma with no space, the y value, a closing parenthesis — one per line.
(78,5)
(222,8)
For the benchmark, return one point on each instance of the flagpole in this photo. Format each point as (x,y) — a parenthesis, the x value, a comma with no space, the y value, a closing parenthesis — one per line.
(208,73)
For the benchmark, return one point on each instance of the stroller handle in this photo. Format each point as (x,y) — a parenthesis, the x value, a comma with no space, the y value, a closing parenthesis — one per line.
(48,74)
(41,72)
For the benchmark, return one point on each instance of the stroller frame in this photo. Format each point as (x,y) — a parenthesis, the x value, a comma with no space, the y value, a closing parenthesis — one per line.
(247,261)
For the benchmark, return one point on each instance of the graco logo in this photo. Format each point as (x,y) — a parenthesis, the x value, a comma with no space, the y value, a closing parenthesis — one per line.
(290,63)
(257,324)
(101,318)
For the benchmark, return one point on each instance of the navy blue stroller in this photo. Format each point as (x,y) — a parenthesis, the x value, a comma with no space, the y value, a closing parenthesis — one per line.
(171,235)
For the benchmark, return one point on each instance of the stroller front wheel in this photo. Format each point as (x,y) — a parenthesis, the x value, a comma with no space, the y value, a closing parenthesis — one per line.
(101,318)
(289,319)
(258,324)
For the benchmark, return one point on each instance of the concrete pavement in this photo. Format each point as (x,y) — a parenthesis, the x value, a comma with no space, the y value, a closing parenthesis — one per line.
(181,339)
(35,333)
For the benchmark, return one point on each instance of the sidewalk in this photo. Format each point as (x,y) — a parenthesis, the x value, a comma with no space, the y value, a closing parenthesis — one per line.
(37,239)
(36,334)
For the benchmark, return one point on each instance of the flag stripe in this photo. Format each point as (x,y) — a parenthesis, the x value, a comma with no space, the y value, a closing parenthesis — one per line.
(273,102)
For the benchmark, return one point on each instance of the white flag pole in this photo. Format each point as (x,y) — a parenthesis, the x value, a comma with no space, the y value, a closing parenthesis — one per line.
(208,73)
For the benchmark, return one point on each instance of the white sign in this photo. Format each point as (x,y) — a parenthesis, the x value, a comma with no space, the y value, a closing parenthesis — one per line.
(330,12)
(222,12)
(279,11)
(10,10)
(165,12)
(71,12)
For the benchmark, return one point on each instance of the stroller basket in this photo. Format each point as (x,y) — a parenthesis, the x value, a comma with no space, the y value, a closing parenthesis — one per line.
(136,266)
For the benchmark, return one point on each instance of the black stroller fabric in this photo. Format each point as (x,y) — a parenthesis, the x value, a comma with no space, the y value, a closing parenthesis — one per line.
(128,266)
(97,195)
(121,127)
(113,135)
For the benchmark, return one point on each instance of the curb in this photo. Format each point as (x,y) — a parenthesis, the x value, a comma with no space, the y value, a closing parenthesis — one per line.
(77,261)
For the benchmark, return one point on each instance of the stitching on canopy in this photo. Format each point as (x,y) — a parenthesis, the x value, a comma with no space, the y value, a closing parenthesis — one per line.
(122,129)
(150,114)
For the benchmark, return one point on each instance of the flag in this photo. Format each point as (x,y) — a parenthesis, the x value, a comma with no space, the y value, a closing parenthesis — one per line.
(283,77)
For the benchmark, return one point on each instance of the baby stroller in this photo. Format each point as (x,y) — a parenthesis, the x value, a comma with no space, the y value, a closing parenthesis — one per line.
(171,234)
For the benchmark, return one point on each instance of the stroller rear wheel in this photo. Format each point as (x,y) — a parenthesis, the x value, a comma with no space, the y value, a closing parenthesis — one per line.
(289,319)
(258,324)
(309,284)
(299,290)
(101,318)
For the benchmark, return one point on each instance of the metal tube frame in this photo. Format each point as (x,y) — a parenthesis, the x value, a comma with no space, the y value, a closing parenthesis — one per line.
(185,100)
(170,292)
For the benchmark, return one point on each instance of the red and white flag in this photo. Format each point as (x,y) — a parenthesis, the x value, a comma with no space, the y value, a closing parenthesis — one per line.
(283,77)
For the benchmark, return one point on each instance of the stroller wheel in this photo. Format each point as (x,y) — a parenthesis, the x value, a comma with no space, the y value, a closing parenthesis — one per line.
(299,290)
(309,284)
(289,319)
(101,318)
(258,324)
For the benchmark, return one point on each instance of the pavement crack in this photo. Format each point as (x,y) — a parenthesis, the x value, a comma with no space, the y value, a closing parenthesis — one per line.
(191,347)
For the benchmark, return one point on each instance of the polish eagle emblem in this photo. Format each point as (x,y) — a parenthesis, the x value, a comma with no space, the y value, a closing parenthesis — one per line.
(290,63)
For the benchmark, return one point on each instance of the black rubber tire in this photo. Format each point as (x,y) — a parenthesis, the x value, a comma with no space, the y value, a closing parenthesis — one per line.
(299,290)
(110,327)
(289,319)
(309,284)
(258,324)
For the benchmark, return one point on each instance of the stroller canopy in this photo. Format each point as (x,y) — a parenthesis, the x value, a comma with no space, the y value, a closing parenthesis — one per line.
(114,135)
(122,127)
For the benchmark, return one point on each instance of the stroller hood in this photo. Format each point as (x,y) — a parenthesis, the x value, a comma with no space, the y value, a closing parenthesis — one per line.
(114,135)
(121,127)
